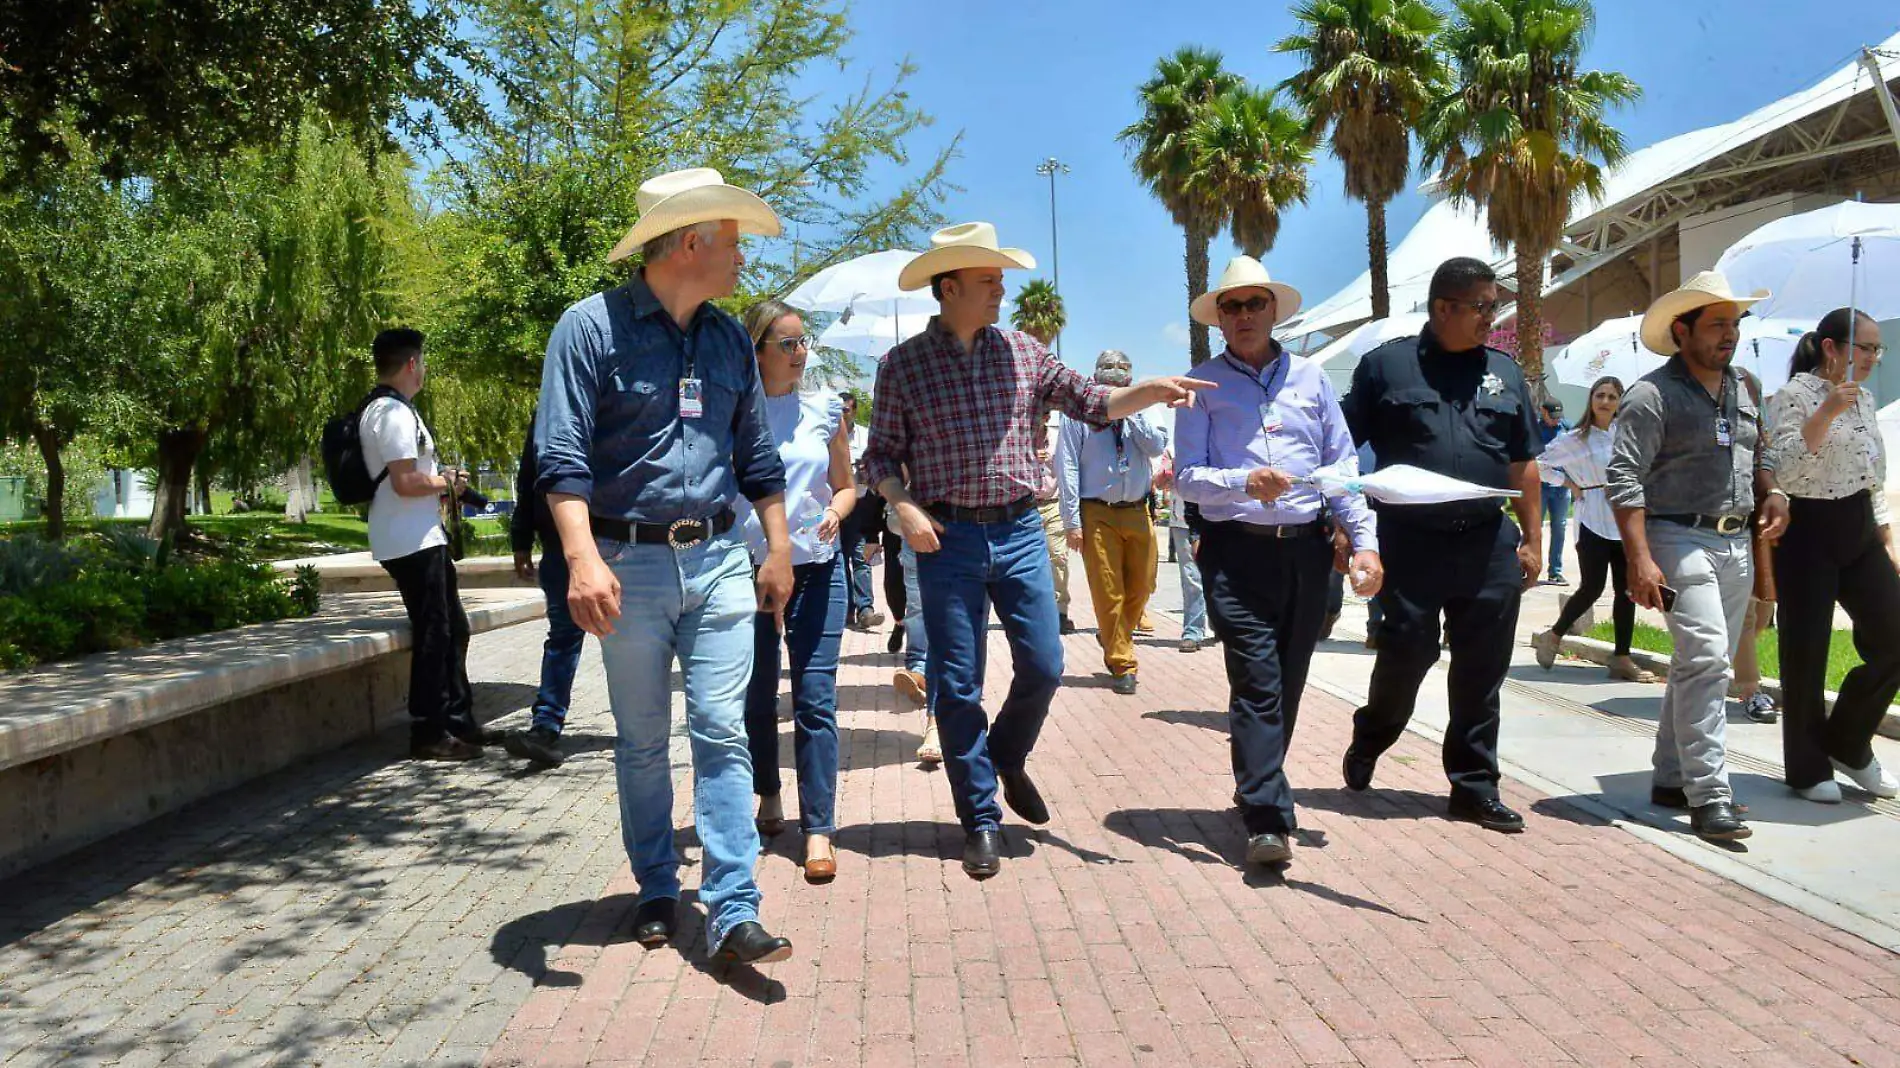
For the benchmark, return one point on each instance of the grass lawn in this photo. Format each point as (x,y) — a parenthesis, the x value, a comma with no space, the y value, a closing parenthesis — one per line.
(336,531)
(1841,656)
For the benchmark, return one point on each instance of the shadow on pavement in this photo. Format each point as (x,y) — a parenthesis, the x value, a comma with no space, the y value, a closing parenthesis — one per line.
(523,944)
(1205,719)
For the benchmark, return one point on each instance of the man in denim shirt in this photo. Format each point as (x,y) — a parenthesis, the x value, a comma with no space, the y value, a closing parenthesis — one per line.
(652,422)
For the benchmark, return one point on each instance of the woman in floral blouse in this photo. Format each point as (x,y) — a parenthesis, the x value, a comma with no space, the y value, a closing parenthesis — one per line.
(1825,455)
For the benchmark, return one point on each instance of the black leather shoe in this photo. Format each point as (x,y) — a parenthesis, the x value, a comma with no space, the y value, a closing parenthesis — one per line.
(1065,626)
(1022,797)
(1487,812)
(749,943)
(1717,821)
(447,747)
(654,921)
(896,642)
(1126,684)
(1269,849)
(1357,770)
(983,853)
(538,746)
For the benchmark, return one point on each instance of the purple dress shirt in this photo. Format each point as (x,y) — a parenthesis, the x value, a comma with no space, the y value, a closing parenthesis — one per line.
(1225,436)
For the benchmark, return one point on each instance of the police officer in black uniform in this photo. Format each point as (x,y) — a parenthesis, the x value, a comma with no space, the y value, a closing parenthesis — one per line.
(1445,402)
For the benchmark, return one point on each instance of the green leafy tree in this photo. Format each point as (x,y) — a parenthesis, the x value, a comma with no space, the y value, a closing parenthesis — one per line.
(1247,161)
(1522,133)
(1183,88)
(1039,311)
(259,282)
(130,83)
(605,95)
(1371,67)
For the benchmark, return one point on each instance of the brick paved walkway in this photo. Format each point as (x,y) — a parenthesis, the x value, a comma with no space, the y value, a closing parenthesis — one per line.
(362,911)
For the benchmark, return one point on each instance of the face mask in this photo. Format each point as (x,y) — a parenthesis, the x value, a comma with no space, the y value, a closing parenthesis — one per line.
(1114,375)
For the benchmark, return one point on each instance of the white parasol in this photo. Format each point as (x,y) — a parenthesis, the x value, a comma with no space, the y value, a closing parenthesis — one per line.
(865,284)
(1817,261)
(1614,349)
(1401,484)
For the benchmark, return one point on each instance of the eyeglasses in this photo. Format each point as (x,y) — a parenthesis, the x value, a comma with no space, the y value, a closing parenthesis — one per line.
(1250,306)
(1876,351)
(1486,308)
(793,344)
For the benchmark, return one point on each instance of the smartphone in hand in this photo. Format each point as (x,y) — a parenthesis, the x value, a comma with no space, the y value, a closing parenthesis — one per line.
(1668,597)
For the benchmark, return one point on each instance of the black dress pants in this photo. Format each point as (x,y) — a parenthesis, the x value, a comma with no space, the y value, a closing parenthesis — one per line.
(1599,557)
(440,700)
(1472,577)
(1266,600)
(1832,554)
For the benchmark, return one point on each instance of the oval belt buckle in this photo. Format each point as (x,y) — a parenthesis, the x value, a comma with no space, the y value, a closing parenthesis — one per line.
(685,533)
(1730,524)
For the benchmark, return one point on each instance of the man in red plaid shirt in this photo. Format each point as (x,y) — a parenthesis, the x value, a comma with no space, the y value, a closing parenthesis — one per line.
(959,406)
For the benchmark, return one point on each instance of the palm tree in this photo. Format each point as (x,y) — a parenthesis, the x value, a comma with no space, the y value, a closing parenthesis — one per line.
(1247,160)
(1521,133)
(1183,87)
(1372,68)
(1039,311)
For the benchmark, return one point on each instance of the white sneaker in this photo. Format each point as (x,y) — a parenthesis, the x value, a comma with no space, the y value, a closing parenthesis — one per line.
(1545,642)
(1825,793)
(1872,778)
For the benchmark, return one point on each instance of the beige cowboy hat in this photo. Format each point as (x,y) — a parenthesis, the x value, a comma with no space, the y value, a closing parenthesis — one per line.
(954,248)
(1244,272)
(1704,289)
(679,199)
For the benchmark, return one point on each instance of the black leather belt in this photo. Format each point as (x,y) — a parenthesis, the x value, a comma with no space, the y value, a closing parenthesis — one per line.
(1721,524)
(1002,513)
(680,534)
(1318,528)
(1138,503)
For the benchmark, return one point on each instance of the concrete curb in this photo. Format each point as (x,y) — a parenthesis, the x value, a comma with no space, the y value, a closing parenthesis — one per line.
(1599,653)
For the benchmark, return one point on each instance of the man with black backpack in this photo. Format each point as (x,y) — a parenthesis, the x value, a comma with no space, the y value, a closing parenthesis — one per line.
(406,537)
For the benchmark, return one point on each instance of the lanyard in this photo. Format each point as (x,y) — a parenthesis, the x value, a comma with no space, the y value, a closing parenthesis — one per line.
(1275,379)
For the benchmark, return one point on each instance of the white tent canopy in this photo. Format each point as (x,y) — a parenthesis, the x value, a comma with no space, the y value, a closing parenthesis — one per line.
(1652,190)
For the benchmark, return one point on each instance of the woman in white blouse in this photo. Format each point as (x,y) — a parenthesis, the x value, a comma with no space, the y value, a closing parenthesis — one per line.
(1577,459)
(819,493)
(1825,456)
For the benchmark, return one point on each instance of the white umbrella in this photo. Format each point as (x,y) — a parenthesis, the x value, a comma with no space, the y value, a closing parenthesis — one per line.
(1401,484)
(1370,335)
(871,336)
(1807,262)
(1615,349)
(865,284)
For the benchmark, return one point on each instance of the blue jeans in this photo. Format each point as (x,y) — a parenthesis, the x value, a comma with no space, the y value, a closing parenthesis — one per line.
(916,639)
(857,572)
(1193,601)
(1557,511)
(697,605)
(561,653)
(977,563)
(814,631)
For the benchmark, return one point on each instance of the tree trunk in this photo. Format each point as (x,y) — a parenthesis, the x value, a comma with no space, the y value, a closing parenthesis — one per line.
(1530,317)
(1375,259)
(49,444)
(296,505)
(177,455)
(1198,239)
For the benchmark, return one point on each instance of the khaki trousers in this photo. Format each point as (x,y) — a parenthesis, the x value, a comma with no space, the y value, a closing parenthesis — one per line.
(1051,512)
(1118,551)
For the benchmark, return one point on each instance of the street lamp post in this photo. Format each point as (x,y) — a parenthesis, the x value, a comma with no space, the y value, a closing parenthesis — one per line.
(1050,168)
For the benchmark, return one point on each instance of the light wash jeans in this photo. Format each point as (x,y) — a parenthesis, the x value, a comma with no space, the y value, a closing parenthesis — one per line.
(916,642)
(696,604)
(1193,602)
(1713,575)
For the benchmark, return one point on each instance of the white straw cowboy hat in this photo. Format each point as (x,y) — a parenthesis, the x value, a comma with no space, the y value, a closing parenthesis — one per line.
(679,199)
(955,248)
(1701,291)
(1244,272)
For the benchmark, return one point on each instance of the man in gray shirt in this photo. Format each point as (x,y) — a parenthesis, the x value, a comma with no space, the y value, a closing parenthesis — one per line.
(1682,477)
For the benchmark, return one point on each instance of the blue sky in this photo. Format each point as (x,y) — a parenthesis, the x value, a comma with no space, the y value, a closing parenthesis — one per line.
(1027,79)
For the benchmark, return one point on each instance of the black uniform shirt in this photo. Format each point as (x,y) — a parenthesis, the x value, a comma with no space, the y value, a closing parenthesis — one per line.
(1463,414)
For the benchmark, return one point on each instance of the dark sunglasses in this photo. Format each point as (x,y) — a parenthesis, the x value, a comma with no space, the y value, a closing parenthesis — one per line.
(790,345)
(1251,306)
(1482,307)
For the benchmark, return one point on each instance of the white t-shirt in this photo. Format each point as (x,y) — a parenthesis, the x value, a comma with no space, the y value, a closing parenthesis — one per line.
(399,526)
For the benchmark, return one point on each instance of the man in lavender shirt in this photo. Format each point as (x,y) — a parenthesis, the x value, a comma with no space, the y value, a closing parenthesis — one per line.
(1266,550)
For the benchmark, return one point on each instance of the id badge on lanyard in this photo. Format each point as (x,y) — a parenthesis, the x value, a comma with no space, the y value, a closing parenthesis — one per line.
(692,399)
(1724,432)
(1270,420)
